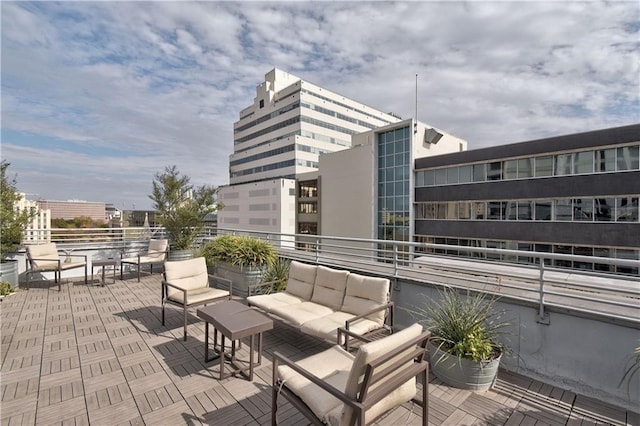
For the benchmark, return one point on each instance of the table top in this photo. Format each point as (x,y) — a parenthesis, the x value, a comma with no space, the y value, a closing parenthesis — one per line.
(235,320)
(103,262)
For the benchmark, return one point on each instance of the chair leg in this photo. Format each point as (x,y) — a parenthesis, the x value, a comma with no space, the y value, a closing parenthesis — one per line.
(163,312)
(185,324)
(138,272)
(26,275)
(85,273)
(274,393)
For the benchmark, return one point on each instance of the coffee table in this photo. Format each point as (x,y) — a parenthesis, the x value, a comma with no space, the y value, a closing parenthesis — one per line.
(234,321)
(103,263)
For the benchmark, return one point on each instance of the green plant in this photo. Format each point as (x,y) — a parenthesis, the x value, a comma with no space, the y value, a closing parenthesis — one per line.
(181,206)
(241,251)
(6,288)
(278,273)
(12,221)
(467,327)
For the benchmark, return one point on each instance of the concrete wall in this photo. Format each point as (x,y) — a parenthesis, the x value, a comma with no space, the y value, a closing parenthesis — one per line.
(584,355)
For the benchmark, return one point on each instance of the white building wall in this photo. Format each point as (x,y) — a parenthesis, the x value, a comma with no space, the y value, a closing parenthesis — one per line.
(39,229)
(266,206)
(348,192)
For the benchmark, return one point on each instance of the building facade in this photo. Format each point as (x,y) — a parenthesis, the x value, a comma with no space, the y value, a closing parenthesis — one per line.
(39,228)
(573,194)
(69,210)
(290,124)
(367,191)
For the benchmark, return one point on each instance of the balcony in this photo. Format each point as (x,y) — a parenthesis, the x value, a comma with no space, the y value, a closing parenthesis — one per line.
(100,355)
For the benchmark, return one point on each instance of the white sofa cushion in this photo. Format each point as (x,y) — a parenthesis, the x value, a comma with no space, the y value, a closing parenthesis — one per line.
(366,354)
(330,287)
(326,327)
(268,302)
(190,274)
(199,295)
(365,293)
(300,313)
(332,366)
(301,279)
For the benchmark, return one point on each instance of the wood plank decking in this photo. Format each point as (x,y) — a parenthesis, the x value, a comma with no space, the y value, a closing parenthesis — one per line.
(100,356)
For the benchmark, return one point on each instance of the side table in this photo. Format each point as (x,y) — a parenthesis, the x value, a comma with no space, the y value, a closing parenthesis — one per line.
(234,321)
(103,263)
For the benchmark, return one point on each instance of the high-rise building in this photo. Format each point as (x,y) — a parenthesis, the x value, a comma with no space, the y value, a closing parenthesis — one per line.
(290,124)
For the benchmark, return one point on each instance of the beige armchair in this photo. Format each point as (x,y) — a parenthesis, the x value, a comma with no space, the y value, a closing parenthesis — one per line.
(46,258)
(187,284)
(156,254)
(336,387)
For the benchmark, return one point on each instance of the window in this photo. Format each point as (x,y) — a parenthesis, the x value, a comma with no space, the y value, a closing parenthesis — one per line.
(465,174)
(479,173)
(525,210)
(563,164)
(583,162)
(441,176)
(603,209)
(627,209)
(494,171)
(605,160)
(452,175)
(308,228)
(511,169)
(583,209)
(495,210)
(261,103)
(628,158)
(525,168)
(308,208)
(479,212)
(543,210)
(544,166)
(563,210)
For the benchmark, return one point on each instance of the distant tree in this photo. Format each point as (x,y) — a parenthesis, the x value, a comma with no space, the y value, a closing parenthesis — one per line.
(77,222)
(13,222)
(181,206)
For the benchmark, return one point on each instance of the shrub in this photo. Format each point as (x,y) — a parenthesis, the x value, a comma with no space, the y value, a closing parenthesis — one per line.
(278,273)
(6,288)
(242,251)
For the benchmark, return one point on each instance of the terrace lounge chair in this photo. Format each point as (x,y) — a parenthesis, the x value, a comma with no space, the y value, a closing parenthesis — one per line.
(156,254)
(46,258)
(336,387)
(186,284)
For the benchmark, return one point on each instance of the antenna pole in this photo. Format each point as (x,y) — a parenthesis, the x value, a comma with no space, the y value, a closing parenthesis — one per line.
(415,123)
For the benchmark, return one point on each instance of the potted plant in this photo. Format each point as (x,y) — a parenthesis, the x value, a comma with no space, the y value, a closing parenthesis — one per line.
(464,350)
(278,273)
(632,368)
(242,259)
(181,209)
(12,225)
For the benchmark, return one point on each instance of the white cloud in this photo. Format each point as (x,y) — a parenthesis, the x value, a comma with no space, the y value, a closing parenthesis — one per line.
(97,97)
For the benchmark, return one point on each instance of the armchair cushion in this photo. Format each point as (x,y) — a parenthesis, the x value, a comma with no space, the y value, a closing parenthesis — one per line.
(43,257)
(199,295)
(269,302)
(329,287)
(364,294)
(332,366)
(156,253)
(301,280)
(370,352)
(190,275)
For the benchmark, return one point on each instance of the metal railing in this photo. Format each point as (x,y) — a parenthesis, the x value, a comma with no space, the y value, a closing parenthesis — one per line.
(603,294)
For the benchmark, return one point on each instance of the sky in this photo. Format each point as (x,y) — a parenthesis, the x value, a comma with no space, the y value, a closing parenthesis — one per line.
(98,97)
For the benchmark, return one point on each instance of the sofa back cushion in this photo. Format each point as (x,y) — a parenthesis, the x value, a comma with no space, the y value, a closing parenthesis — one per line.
(43,256)
(301,279)
(365,293)
(190,274)
(158,249)
(329,287)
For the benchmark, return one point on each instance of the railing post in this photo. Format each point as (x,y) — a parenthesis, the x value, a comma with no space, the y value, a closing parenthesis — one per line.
(543,318)
(317,250)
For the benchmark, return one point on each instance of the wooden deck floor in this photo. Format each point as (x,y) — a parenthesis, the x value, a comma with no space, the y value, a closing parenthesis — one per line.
(99,355)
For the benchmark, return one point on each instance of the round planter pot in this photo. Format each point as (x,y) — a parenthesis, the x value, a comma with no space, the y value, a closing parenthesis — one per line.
(9,272)
(461,372)
(241,278)
(180,255)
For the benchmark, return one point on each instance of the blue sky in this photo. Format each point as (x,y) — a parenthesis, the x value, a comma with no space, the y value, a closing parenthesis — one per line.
(97,97)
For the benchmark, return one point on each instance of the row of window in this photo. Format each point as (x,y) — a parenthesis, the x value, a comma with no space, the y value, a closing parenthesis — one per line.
(278,151)
(607,252)
(267,117)
(335,114)
(308,189)
(619,209)
(324,98)
(618,159)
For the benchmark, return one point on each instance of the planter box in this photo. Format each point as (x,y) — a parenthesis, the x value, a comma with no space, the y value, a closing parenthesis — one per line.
(241,278)
(462,373)
(9,272)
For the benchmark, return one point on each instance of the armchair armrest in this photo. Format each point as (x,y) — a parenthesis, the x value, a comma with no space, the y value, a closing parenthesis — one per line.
(268,284)
(228,283)
(389,305)
(278,358)
(165,291)
(30,261)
